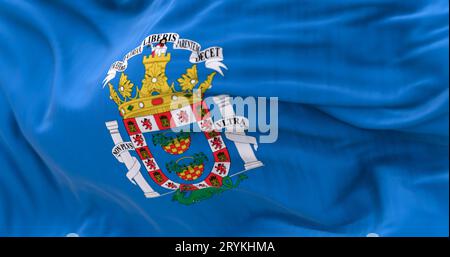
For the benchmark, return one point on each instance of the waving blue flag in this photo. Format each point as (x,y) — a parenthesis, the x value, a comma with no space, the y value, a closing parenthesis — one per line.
(224,118)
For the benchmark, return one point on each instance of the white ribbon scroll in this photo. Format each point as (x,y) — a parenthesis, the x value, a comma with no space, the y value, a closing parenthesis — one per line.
(212,56)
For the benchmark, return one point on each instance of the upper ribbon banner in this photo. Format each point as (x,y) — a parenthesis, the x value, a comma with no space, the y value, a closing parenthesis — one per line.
(212,56)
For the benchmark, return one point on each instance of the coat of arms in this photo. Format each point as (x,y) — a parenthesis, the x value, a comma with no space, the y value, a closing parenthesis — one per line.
(178,147)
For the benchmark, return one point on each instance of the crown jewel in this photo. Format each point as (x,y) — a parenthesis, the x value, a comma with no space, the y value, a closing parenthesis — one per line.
(155,95)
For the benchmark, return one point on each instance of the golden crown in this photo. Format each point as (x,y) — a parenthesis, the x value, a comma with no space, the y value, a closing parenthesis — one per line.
(155,95)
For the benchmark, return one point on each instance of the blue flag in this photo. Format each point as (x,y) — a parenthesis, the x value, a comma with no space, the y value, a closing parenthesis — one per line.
(224,118)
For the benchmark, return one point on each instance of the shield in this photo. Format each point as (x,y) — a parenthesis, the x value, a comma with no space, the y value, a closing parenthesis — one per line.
(174,154)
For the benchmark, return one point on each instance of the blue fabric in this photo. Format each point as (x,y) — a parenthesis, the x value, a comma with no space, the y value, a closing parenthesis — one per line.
(363,117)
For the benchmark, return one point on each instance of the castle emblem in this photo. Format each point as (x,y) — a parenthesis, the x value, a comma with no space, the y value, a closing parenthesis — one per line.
(175,145)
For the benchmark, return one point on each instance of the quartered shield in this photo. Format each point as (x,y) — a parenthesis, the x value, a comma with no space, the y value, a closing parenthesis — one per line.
(174,155)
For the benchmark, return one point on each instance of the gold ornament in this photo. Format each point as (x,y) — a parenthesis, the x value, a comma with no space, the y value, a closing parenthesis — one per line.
(189,79)
(155,95)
